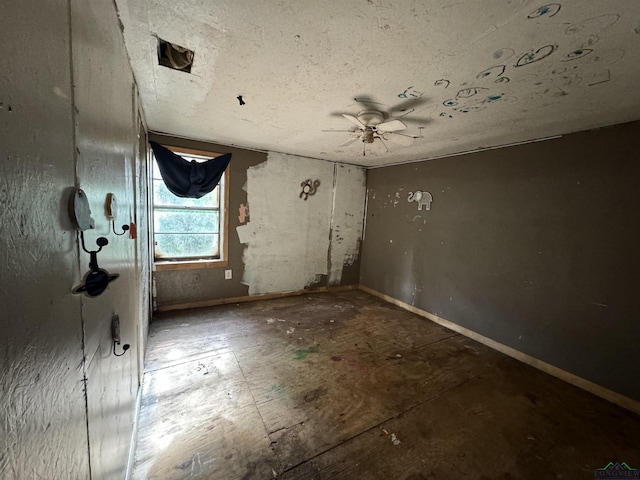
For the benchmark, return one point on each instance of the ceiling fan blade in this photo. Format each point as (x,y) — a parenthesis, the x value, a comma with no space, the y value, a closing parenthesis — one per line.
(383,144)
(349,142)
(353,119)
(403,113)
(408,104)
(340,131)
(420,120)
(368,103)
(399,138)
(391,126)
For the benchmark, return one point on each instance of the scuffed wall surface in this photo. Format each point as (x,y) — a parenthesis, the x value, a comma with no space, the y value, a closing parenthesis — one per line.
(43,431)
(107,143)
(197,285)
(43,424)
(287,237)
(290,243)
(534,246)
(346,225)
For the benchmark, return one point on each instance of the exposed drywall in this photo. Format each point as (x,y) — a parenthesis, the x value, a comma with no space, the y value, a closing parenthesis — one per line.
(57,373)
(277,240)
(533,246)
(198,285)
(287,237)
(349,193)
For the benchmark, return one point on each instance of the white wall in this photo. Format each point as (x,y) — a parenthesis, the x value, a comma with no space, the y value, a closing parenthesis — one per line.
(292,243)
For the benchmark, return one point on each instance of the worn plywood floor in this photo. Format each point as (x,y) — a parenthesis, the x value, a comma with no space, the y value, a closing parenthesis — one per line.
(345,386)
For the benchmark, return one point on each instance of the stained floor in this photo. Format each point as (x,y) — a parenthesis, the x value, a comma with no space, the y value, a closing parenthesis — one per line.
(342,385)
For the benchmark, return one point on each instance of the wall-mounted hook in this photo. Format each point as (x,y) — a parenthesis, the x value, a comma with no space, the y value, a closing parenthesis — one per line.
(309,188)
(125,228)
(115,335)
(97,279)
(110,208)
(125,347)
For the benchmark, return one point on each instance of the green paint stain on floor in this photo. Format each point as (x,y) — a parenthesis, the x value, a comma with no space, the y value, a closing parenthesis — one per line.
(305,352)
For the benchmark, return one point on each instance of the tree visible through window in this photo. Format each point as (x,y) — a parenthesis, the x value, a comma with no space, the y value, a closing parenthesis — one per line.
(186,228)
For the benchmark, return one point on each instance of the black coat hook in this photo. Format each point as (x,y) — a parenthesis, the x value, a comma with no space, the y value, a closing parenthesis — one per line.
(125,228)
(125,347)
(97,279)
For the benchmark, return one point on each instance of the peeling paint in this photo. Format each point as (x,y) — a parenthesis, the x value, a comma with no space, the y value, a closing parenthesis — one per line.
(347,220)
(287,245)
(286,239)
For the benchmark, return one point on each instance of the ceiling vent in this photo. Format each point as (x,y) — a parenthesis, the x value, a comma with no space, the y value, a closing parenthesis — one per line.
(174,56)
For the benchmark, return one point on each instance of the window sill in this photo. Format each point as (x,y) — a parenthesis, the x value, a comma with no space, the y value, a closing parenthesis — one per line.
(190,264)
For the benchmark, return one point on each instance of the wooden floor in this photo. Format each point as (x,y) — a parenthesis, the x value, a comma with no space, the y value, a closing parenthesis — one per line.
(345,386)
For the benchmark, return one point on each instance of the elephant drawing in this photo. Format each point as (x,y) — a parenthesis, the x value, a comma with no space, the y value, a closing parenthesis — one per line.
(421,198)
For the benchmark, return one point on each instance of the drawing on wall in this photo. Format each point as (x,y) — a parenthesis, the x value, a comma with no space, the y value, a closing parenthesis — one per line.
(601,77)
(579,62)
(548,10)
(576,54)
(422,198)
(594,25)
(469,92)
(532,57)
(504,53)
(496,71)
(410,92)
(309,188)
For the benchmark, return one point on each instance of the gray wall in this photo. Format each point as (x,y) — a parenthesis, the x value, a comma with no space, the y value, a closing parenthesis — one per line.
(67,116)
(281,250)
(534,246)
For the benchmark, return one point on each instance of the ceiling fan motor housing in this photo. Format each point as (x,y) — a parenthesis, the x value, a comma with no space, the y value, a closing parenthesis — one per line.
(370,117)
(367,135)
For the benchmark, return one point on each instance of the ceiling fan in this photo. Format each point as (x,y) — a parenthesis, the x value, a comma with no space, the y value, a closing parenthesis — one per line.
(370,125)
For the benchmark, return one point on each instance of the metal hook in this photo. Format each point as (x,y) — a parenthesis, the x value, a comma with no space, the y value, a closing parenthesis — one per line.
(101,242)
(125,347)
(125,228)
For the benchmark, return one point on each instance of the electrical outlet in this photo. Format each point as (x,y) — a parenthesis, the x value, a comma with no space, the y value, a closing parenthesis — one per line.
(228,274)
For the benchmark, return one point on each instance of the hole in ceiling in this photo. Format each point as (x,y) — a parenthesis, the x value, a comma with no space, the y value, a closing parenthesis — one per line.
(174,56)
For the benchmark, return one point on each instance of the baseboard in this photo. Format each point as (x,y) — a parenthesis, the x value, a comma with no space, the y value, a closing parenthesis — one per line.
(134,436)
(602,392)
(252,298)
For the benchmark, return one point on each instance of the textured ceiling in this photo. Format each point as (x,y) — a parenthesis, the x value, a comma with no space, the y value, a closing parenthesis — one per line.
(476,74)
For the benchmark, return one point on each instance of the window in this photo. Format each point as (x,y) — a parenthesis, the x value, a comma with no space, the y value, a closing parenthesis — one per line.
(189,232)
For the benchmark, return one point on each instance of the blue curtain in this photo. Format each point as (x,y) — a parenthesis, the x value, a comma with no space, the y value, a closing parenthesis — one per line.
(189,179)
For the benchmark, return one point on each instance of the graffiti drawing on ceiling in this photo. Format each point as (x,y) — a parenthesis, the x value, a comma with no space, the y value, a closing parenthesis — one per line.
(548,10)
(554,68)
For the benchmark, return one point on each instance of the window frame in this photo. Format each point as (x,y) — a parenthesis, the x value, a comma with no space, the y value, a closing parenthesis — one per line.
(224,220)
